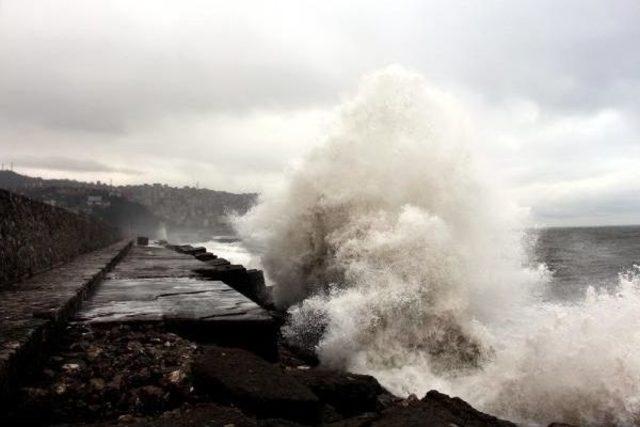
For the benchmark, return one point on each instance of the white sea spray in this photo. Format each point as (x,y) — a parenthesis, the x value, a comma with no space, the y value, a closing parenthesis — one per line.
(397,257)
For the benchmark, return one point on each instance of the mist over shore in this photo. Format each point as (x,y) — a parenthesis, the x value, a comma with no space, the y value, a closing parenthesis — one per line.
(398,258)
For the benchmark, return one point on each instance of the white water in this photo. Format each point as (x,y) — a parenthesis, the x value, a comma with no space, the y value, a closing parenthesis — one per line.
(398,259)
(232,251)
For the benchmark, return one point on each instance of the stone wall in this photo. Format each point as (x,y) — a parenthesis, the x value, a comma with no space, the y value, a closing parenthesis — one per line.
(35,236)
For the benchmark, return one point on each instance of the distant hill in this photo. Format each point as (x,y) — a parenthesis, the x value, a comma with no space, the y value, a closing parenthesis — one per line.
(137,208)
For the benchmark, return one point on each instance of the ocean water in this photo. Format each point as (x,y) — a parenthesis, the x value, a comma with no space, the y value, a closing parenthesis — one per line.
(578,263)
(232,249)
(583,257)
(576,257)
(398,255)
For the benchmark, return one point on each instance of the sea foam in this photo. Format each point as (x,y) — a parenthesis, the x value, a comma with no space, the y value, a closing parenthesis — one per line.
(397,257)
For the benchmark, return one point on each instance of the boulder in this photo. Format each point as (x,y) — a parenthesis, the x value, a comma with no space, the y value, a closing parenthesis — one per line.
(203,414)
(256,288)
(278,422)
(437,410)
(250,283)
(206,256)
(217,262)
(142,241)
(243,379)
(357,421)
(229,274)
(349,394)
(195,251)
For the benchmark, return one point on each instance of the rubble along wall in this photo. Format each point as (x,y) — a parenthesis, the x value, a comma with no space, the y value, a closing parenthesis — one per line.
(35,236)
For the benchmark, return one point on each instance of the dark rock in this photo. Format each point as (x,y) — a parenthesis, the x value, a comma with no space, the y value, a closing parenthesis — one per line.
(208,414)
(230,274)
(386,400)
(278,422)
(437,410)
(201,415)
(193,251)
(253,287)
(34,314)
(206,256)
(126,419)
(330,415)
(142,241)
(141,382)
(359,421)
(33,393)
(242,378)
(97,384)
(218,262)
(183,248)
(349,394)
(292,359)
(149,397)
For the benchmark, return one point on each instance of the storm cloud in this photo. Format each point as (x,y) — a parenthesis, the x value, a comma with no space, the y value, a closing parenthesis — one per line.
(230,94)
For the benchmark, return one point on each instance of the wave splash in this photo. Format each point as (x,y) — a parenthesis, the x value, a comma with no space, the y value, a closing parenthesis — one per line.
(397,258)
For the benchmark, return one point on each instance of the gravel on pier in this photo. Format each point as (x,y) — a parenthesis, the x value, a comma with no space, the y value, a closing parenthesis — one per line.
(101,373)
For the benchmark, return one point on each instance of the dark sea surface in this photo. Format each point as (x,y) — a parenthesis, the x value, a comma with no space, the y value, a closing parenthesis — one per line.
(577,257)
(583,257)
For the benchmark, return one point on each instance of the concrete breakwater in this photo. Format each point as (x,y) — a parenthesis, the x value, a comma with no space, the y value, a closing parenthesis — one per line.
(249,282)
(35,236)
(163,340)
(176,291)
(95,331)
(71,252)
(35,311)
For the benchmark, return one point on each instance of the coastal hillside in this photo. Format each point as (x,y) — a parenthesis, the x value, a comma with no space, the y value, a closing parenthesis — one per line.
(138,208)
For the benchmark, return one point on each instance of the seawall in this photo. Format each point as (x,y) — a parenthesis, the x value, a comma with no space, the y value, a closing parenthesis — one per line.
(35,236)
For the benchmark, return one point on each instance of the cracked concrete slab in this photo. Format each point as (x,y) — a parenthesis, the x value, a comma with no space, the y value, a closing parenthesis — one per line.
(155,284)
(32,311)
(124,300)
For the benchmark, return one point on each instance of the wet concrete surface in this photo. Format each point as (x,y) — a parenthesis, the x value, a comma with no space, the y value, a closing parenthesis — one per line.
(33,311)
(158,285)
(156,262)
(156,299)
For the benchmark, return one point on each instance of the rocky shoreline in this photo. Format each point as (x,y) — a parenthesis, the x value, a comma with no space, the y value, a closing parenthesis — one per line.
(144,375)
(150,374)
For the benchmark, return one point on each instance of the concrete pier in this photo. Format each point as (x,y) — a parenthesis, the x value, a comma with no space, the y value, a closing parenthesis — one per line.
(127,284)
(32,312)
(160,342)
(155,284)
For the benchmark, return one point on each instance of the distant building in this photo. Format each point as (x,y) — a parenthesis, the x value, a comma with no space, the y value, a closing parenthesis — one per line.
(97,201)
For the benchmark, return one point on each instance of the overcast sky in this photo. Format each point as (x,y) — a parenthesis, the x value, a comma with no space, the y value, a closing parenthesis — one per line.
(229,94)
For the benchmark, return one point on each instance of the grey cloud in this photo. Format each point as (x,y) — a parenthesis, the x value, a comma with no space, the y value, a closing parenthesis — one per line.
(619,207)
(66,164)
(107,80)
(576,54)
(130,83)
(573,54)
